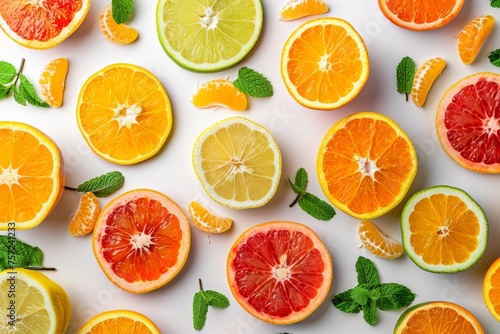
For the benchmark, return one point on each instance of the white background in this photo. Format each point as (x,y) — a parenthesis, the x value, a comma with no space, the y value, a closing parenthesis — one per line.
(297,130)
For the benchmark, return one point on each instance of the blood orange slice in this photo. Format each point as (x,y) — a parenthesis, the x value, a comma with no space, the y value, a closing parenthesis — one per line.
(468,122)
(141,240)
(279,272)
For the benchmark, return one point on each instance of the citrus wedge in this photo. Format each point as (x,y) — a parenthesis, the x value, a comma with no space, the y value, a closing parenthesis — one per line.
(119,321)
(491,289)
(219,93)
(296,9)
(424,78)
(52,81)
(84,220)
(116,33)
(204,219)
(377,242)
(472,37)
(208,36)
(443,229)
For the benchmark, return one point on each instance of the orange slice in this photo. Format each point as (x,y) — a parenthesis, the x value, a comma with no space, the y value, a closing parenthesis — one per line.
(424,78)
(116,33)
(41,24)
(141,240)
(377,242)
(296,9)
(491,289)
(324,63)
(124,113)
(119,321)
(420,14)
(31,176)
(366,164)
(219,93)
(279,272)
(472,37)
(52,81)
(204,219)
(84,220)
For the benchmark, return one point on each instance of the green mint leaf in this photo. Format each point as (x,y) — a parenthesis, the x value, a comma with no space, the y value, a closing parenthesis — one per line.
(121,10)
(253,83)
(345,303)
(360,295)
(316,207)
(370,312)
(18,96)
(405,72)
(4,91)
(103,185)
(28,92)
(495,3)
(7,72)
(296,189)
(216,299)
(494,56)
(17,254)
(301,178)
(367,272)
(394,296)
(200,310)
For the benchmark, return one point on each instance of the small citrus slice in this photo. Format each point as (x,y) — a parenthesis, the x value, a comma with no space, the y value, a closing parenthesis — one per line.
(467,122)
(366,164)
(443,229)
(238,163)
(377,242)
(204,219)
(219,93)
(31,176)
(141,240)
(279,272)
(437,317)
(424,78)
(296,9)
(124,113)
(41,24)
(420,15)
(472,37)
(324,63)
(491,289)
(116,33)
(52,81)
(84,220)
(36,303)
(208,36)
(119,321)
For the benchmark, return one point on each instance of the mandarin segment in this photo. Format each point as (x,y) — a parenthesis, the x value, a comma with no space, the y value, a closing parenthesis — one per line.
(86,215)
(52,81)
(296,9)
(472,37)
(219,93)
(377,242)
(206,220)
(116,33)
(424,79)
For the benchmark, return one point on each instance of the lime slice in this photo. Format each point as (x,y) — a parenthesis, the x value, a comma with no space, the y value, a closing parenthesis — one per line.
(208,36)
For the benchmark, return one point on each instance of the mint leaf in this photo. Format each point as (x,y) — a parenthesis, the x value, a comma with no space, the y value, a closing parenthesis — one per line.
(7,72)
(17,254)
(316,207)
(121,10)
(367,272)
(370,312)
(405,73)
(360,295)
(200,310)
(301,178)
(103,185)
(253,83)
(495,3)
(394,296)
(28,92)
(296,189)
(216,299)
(494,56)
(4,91)
(18,97)
(344,302)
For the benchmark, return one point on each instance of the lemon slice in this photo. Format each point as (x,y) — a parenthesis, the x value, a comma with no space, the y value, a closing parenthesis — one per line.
(208,36)
(238,163)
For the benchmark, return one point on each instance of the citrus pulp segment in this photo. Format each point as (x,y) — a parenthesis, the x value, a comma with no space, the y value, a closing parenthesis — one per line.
(86,215)
(420,15)
(467,122)
(443,229)
(279,272)
(377,242)
(208,36)
(366,164)
(124,113)
(119,321)
(437,317)
(141,240)
(41,24)
(116,33)
(204,219)
(52,80)
(296,9)
(238,163)
(41,305)
(324,63)
(472,37)
(424,79)
(31,176)
(491,289)
(219,93)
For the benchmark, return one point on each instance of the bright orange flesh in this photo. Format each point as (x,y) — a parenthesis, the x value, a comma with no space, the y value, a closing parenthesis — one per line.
(366,164)
(491,289)
(219,93)
(84,220)
(204,219)
(119,321)
(279,272)
(472,37)
(116,33)
(420,14)
(141,240)
(52,81)
(296,9)
(424,78)
(377,243)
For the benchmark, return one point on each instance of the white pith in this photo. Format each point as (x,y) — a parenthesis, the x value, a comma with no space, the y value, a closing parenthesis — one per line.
(366,166)
(9,176)
(126,115)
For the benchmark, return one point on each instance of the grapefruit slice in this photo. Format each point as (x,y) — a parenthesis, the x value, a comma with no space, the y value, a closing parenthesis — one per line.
(141,240)
(467,122)
(279,272)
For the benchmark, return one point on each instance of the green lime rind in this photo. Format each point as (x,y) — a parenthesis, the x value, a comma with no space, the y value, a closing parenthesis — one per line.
(471,205)
(179,52)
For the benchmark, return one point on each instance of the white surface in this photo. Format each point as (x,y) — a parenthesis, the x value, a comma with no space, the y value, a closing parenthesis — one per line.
(297,130)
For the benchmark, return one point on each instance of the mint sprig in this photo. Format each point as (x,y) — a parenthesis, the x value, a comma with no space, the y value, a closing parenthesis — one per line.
(308,202)
(494,56)
(202,300)
(405,73)
(253,83)
(370,294)
(495,3)
(102,185)
(122,10)
(16,254)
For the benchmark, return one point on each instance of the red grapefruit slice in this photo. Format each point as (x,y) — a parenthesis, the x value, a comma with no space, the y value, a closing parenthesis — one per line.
(468,122)
(279,272)
(141,240)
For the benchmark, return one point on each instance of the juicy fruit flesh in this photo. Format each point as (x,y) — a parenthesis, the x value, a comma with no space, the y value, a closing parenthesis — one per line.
(219,93)
(438,320)
(38,20)
(420,12)
(295,9)
(119,325)
(278,272)
(472,37)
(375,241)
(424,79)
